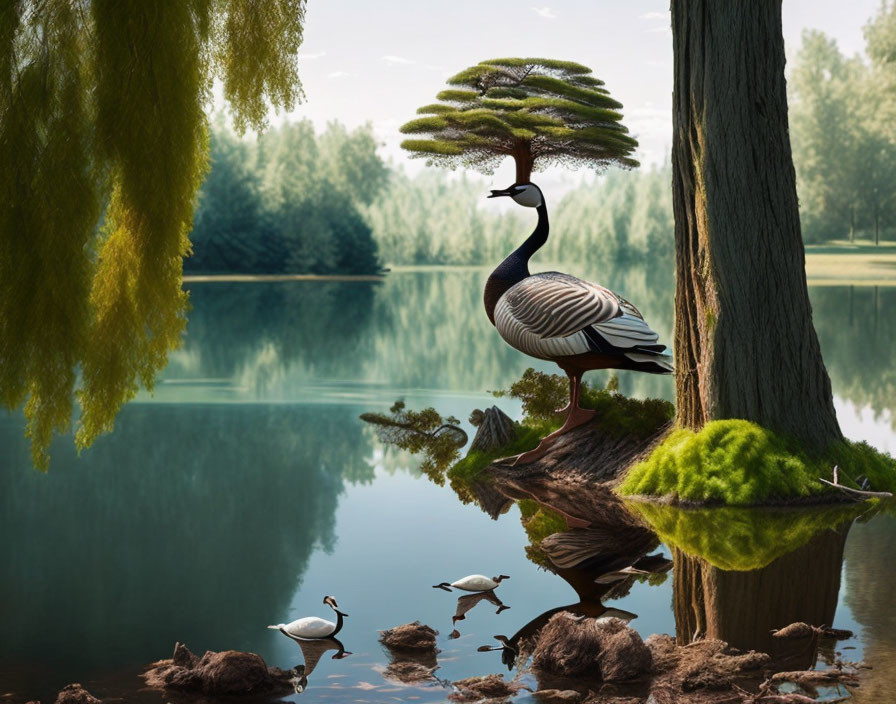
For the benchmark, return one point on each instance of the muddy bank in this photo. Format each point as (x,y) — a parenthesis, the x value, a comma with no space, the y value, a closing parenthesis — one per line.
(228,672)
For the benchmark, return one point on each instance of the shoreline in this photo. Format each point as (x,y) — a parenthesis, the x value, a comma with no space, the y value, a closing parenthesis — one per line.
(246,278)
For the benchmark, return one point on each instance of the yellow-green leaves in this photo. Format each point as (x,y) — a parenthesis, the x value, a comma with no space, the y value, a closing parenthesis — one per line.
(257,55)
(101,104)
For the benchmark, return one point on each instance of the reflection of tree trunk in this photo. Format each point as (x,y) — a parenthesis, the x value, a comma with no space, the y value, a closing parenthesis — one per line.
(742,608)
(744,342)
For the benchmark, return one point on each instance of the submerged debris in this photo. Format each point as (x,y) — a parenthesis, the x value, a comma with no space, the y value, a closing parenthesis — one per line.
(409,672)
(603,648)
(486,687)
(804,630)
(226,672)
(410,636)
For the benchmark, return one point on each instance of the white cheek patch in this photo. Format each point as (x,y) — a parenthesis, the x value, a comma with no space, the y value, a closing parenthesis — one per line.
(530,197)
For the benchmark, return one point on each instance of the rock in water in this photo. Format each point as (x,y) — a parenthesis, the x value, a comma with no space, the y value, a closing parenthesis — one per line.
(606,648)
(411,636)
(487,687)
(226,672)
(76,694)
(495,429)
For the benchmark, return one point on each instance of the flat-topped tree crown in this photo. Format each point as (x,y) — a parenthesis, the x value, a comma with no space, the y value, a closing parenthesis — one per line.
(539,111)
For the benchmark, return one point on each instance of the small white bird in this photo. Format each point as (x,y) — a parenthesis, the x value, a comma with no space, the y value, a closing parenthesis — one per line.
(312,627)
(473,583)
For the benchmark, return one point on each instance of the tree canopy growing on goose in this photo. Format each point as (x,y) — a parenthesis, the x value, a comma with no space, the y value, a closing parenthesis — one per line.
(538,111)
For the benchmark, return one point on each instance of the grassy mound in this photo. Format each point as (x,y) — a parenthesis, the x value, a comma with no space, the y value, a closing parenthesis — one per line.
(740,539)
(739,463)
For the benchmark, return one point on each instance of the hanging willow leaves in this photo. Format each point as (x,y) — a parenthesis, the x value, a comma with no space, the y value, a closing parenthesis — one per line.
(103,138)
(538,111)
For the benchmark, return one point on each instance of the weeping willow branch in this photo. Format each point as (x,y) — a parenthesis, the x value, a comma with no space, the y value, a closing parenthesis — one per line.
(103,138)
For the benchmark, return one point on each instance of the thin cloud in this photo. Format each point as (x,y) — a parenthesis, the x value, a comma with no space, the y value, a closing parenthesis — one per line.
(545,12)
(308,57)
(338,74)
(659,29)
(397,60)
(653,16)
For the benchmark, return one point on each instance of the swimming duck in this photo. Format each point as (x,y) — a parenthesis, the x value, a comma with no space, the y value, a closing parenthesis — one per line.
(473,583)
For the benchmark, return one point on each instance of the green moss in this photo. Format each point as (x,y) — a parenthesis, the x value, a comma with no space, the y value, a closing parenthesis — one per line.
(740,538)
(542,394)
(739,463)
(469,469)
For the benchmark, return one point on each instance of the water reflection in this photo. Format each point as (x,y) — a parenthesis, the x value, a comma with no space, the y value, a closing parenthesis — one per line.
(466,603)
(740,574)
(190,523)
(312,652)
(271,340)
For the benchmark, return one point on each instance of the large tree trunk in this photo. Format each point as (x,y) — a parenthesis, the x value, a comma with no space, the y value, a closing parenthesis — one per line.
(744,342)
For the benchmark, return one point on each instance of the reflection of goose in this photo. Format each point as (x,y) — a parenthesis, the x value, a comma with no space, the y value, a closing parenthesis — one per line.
(312,652)
(468,601)
(575,323)
(312,627)
(473,583)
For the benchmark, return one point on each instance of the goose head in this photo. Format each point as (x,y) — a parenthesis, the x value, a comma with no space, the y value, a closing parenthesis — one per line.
(525,194)
(331,602)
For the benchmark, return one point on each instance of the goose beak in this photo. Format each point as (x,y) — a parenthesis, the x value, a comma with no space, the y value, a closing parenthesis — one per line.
(498,194)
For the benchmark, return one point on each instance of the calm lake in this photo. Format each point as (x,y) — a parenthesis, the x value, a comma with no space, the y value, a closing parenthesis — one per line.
(246,489)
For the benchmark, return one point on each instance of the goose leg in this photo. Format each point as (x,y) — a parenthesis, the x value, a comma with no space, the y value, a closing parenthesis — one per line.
(574,418)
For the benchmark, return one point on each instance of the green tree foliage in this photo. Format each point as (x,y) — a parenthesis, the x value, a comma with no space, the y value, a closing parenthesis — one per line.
(102,119)
(289,203)
(539,111)
(844,145)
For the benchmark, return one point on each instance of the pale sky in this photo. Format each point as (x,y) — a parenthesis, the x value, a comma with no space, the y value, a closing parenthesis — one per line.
(379,61)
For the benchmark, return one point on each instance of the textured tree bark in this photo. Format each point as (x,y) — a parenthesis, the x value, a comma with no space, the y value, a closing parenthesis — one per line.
(744,342)
(524,160)
(742,608)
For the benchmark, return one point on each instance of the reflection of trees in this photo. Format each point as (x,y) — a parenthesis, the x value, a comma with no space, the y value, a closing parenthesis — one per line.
(104,564)
(777,568)
(428,330)
(857,332)
(233,328)
(870,575)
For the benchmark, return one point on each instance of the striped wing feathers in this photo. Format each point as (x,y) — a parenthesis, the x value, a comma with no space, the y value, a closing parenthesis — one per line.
(553,304)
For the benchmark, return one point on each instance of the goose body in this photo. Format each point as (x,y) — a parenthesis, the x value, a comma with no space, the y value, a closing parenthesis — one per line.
(473,583)
(559,317)
(313,627)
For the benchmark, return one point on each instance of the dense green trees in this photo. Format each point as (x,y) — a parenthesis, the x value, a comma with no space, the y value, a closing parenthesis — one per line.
(842,115)
(102,119)
(438,219)
(289,203)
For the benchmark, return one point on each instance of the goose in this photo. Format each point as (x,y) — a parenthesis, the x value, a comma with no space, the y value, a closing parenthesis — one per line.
(473,583)
(312,627)
(558,317)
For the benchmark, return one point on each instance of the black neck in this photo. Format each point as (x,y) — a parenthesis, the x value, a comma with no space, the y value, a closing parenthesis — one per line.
(338,623)
(516,266)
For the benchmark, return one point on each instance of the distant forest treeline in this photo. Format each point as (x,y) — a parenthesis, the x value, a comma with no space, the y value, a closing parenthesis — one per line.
(300,202)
